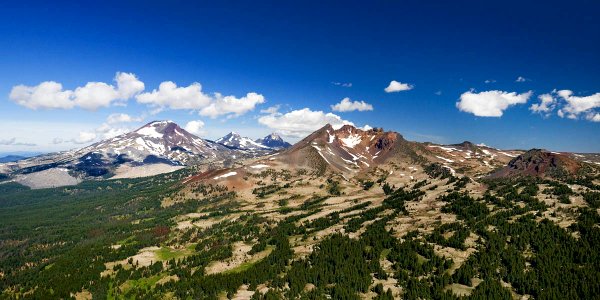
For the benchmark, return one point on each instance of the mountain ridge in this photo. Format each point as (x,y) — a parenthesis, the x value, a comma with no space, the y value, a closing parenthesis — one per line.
(347,150)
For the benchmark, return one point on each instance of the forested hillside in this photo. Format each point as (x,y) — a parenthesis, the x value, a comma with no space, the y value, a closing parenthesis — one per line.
(158,238)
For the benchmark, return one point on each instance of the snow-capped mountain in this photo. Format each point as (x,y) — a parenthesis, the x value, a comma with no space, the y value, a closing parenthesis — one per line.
(159,142)
(273,141)
(236,141)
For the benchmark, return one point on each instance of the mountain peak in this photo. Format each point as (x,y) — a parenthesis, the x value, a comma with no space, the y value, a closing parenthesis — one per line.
(540,163)
(274,141)
(157,123)
(465,145)
(160,129)
(235,140)
(273,136)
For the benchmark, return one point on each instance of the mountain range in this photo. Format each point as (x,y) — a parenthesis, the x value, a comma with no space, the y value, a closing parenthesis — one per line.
(157,147)
(163,146)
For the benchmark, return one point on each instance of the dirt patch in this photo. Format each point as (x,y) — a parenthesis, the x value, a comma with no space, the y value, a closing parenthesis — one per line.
(239,260)
(54,177)
(127,171)
(243,293)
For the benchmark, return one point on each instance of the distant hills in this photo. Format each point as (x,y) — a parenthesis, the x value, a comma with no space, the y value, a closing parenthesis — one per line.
(11,158)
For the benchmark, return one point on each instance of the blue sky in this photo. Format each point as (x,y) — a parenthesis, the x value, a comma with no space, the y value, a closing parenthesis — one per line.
(301,58)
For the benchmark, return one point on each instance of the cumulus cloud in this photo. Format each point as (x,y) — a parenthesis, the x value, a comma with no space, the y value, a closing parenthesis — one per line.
(594,117)
(348,105)
(490,103)
(490,81)
(93,95)
(84,137)
(299,123)
(343,84)
(48,94)
(574,106)
(195,127)
(546,105)
(128,85)
(396,86)
(230,105)
(568,105)
(169,95)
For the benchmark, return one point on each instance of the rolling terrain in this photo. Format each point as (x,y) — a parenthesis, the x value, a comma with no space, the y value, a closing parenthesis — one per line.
(345,213)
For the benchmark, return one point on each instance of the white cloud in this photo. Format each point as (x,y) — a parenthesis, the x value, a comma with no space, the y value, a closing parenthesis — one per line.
(171,96)
(299,123)
(122,118)
(569,106)
(343,84)
(13,142)
(94,95)
(108,132)
(594,117)
(575,105)
(490,103)
(84,137)
(546,105)
(490,80)
(191,97)
(115,125)
(230,105)
(521,79)
(396,86)
(271,110)
(50,94)
(195,127)
(348,105)
(128,85)
(438,93)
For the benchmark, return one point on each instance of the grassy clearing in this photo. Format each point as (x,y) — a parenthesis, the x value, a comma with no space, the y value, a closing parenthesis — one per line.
(460,289)
(384,254)
(166,253)
(258,257)
(142,283)
(128,241)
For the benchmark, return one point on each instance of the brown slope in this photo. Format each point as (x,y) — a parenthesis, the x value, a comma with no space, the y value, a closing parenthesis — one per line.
(540,163)
(347,149)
